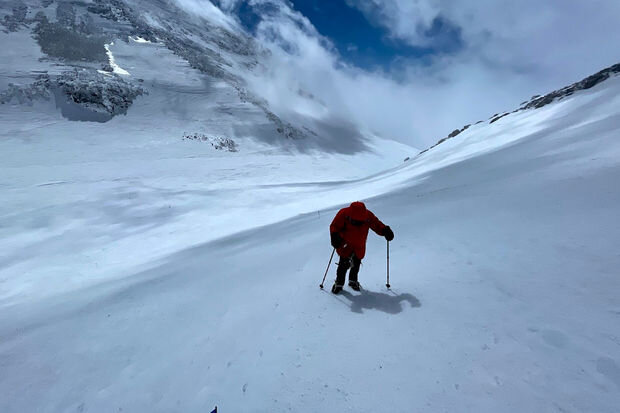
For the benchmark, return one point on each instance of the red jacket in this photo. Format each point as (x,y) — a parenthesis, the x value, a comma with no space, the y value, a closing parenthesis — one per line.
(355,236)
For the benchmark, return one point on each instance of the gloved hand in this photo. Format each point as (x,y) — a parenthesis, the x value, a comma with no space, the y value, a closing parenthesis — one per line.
(388,233)
(336,240)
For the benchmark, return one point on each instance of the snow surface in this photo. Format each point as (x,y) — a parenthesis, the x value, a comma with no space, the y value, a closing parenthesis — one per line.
(115,67)
(143,272)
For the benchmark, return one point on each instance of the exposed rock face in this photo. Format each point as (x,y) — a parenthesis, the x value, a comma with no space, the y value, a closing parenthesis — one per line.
(98,92)
(75,32)
(587,83)
(16,20)
(450,136)
(108,10)
(217,142)
(39,90)
(498,117)
(81,94)
(457,131)
(68,42)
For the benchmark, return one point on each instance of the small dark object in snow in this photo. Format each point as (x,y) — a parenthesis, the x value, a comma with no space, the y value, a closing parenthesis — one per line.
(219,143)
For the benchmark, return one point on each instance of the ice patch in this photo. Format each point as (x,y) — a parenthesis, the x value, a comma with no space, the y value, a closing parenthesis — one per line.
(139,39)
(115,68)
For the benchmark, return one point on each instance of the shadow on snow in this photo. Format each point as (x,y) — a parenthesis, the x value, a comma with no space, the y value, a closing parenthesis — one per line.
(390,303)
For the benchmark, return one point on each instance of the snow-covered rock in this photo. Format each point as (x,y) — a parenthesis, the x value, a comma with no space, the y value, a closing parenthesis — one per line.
(86,37)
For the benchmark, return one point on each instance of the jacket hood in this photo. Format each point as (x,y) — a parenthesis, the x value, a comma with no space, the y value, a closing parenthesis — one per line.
(357,210)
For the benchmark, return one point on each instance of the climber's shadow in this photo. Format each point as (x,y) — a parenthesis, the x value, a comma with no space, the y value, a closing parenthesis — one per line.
(390,302)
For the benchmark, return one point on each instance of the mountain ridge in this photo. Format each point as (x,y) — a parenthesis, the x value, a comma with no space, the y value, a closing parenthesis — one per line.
(537,102)
(78,36)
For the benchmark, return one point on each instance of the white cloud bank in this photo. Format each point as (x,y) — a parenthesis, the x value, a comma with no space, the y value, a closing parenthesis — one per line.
(511,50)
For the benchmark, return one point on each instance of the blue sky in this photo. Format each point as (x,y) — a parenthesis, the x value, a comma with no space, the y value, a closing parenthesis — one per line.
(357,40)
(363,43)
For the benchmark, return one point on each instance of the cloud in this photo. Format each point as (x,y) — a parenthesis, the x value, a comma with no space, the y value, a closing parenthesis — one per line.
(208,10)
(510,51)
(559,38)
(408,20)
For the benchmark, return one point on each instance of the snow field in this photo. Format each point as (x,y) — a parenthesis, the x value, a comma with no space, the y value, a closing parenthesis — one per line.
(141,272)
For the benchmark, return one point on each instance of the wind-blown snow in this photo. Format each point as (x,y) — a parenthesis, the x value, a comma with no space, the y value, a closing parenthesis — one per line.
(142,271)
(95,190)
(139,272)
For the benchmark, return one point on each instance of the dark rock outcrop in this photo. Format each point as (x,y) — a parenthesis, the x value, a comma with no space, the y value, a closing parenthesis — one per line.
(80,94)
(217,142)
(13,22)
(98,92)
(498,117)
(450,136)
(587,83)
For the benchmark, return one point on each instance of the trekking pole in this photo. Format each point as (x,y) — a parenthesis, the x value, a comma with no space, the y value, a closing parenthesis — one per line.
(387,284)
(328,264)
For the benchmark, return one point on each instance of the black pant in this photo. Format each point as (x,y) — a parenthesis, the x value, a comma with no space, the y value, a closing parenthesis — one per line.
(345,263)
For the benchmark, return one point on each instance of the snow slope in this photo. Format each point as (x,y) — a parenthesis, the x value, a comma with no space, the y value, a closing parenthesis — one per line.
(95,58)
(94,190)
(138,277)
